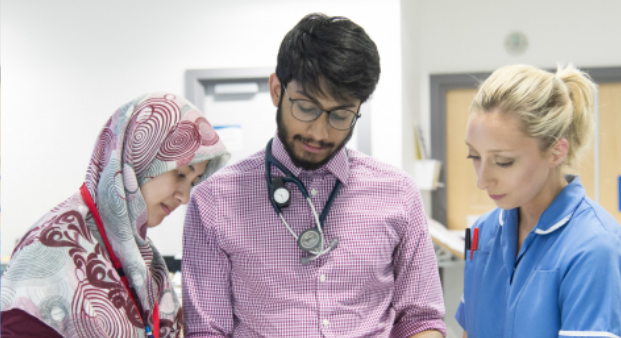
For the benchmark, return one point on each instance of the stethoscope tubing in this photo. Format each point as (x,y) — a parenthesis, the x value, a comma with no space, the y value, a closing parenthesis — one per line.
(291,178)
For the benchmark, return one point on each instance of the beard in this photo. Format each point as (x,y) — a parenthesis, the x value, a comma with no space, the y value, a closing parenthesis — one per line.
(283,135)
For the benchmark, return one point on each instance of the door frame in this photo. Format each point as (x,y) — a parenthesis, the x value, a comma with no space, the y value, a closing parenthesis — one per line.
(439,85)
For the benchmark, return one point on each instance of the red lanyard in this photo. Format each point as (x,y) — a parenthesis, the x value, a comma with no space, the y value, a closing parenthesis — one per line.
(117,264)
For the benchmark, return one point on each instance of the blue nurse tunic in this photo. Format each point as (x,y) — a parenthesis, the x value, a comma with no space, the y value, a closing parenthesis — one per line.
(564,282)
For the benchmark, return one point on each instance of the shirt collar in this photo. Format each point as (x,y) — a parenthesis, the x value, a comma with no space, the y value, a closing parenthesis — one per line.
(337,166)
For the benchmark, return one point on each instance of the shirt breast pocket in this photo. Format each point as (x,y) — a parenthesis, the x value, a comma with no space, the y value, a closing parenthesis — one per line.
(537,312)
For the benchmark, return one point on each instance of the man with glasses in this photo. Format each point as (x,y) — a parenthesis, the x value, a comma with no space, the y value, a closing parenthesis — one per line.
(246,271)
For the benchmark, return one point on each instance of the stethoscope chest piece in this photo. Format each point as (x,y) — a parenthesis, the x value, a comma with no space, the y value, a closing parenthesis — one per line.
(310,240)
(281,195)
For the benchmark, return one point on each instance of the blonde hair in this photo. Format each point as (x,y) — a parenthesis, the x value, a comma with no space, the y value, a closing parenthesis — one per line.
(548,106)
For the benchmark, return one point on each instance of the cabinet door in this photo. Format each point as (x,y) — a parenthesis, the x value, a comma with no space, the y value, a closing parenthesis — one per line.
(610,148)
(464,199)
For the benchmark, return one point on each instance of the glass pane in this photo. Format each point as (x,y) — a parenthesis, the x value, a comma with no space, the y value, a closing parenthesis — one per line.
(305,109)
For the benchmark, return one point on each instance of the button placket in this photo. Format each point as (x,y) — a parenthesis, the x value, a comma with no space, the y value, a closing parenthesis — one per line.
(324,300)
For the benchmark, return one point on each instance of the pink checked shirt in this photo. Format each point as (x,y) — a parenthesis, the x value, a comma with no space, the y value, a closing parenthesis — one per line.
(242,275)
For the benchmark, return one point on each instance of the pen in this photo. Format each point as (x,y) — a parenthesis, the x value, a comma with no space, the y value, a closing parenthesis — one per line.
(467,239)
(475,242)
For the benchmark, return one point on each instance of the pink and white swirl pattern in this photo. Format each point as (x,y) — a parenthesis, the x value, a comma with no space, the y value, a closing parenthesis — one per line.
(95,316)
(149,127)
(153,134)
(181,144)
(208,134)
(104,146)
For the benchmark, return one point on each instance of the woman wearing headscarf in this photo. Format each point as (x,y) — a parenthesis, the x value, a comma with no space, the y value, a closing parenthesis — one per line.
(87,268)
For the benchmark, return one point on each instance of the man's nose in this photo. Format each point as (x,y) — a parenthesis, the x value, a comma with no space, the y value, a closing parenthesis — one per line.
(318,129)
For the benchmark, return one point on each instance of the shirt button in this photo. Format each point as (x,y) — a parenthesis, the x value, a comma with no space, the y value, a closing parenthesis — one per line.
(326,322)
(313,192)
(322,278)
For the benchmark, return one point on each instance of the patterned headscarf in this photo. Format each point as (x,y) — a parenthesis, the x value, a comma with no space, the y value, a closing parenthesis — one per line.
(60,271)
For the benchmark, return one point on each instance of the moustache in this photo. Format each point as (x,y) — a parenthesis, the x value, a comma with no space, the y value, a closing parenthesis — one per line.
(320,144)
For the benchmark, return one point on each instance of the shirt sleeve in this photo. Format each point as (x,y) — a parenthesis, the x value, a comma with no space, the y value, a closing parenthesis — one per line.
(207,308)
(590,291)
(418,300)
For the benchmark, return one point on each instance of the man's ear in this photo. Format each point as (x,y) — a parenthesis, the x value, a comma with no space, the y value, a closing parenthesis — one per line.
(559,152)
(275,89)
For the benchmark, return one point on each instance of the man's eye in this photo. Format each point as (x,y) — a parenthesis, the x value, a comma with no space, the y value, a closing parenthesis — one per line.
(307,110)
(180,174)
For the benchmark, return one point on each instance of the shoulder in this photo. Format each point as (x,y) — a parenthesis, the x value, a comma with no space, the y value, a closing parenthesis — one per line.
(253,163)
(227,178)
(593,231)
(364,168)
(599,219)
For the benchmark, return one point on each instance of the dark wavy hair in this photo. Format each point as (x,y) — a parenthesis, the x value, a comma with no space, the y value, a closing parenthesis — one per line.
(330,52)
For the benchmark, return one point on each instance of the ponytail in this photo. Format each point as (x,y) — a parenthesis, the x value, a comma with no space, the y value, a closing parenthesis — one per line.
(548,106)
(581,92)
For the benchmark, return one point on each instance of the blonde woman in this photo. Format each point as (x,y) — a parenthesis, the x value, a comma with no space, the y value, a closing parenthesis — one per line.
(548,259)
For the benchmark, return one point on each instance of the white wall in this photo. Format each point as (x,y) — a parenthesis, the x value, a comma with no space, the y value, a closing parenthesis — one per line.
(67,65)
(456,36)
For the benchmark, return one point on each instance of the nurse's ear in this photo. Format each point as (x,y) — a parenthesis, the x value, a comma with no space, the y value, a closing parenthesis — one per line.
(559,152)
(275,89)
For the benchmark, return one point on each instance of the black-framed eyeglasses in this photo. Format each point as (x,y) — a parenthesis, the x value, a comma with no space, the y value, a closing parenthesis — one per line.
(307,111)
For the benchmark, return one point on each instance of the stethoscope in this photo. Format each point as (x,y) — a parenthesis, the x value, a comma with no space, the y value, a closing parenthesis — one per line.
(310,240)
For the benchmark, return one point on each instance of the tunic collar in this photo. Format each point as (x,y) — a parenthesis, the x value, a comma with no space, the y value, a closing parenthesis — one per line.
(552,219)
(558,213)
(562,208)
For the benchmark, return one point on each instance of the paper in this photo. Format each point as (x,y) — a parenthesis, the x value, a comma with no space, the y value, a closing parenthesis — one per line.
(419,145)
(452,240)
(231,136)
(426,174)
(471,219)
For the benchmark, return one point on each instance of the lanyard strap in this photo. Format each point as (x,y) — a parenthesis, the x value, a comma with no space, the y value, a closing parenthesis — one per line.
(117,264)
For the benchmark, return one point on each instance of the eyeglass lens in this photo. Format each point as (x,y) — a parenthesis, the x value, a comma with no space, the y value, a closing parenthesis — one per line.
(341,119)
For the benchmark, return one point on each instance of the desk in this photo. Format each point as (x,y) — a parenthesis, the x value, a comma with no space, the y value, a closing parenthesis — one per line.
(448,243)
